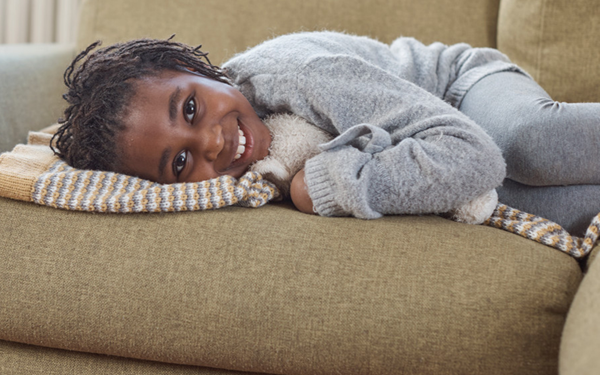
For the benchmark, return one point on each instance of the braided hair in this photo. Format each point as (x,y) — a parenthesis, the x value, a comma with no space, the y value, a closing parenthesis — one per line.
(101,87)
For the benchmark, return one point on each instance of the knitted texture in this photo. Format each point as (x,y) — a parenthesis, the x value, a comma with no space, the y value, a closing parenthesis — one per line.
(544,231)
(96,191)
(293,141)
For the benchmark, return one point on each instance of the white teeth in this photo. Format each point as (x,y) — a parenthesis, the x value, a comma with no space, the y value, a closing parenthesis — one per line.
(241,148)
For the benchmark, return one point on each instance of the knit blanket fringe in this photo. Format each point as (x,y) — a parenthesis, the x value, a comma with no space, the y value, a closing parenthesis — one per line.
(544,231)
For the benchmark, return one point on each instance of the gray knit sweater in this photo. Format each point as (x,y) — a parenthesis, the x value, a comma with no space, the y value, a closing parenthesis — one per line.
(401,145)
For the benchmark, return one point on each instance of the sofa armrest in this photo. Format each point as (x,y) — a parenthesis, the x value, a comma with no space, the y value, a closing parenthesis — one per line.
(31,88)
(581,333)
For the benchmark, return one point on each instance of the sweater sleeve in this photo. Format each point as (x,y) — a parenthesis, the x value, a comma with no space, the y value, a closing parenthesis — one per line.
(401,149)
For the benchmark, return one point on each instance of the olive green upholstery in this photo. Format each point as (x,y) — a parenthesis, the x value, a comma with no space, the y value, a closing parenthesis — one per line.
(272,290)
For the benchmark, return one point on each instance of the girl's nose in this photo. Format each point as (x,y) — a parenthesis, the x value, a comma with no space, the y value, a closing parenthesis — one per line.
(212,142)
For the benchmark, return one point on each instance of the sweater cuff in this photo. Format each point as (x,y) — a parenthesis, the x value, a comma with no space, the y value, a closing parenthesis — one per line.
(321,188)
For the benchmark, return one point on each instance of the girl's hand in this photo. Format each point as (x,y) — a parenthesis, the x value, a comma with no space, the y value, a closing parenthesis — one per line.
(299,193)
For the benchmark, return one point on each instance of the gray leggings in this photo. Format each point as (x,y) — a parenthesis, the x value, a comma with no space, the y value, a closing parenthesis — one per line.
(552,149)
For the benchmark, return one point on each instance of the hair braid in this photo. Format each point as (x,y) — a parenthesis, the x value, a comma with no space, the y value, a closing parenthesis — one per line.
(100,87)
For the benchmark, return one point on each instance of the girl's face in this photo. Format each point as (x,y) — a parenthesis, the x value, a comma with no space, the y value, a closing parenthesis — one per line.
(184,127)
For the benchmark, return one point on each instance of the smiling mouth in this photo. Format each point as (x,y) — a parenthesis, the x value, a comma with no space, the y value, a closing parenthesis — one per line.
(244,148)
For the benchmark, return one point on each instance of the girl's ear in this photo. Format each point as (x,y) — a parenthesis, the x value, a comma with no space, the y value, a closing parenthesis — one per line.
(191,70)
(183,66)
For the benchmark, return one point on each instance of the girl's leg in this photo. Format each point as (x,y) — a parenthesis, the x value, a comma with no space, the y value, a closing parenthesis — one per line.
(573,207)
(544,142)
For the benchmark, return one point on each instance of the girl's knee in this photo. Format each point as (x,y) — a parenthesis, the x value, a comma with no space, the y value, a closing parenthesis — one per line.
(531,154)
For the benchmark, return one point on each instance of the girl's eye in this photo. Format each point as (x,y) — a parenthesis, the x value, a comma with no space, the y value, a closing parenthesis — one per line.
(189,110)
(179,163)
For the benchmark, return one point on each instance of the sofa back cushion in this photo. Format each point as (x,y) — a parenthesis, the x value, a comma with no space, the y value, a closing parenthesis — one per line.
(225,27)
(557,43)
(31,88)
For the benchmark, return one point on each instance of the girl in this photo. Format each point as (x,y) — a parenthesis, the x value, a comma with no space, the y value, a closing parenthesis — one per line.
(408,121)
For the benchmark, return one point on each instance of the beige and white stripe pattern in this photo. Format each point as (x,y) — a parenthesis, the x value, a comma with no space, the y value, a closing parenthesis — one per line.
(544,231)
(81,190)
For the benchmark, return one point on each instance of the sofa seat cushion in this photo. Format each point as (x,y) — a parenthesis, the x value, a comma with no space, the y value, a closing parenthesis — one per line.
(274,290)
(20,359)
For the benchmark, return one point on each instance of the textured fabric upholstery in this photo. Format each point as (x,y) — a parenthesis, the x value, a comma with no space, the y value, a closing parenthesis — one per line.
(274,290)
(31,86)
(227,27)
(581,336)
(557,43)
(22,359)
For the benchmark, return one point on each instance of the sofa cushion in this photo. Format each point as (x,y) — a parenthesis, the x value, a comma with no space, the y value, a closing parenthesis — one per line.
(592,257)
(581,336)
(19,359)
(22,109)
(556,42)
(472,21)
(274,290)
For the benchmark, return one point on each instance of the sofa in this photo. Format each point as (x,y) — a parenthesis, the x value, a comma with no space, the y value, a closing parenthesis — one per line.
(271,290)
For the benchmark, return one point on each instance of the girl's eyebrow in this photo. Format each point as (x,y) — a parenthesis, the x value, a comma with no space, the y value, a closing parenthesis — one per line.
(173,99)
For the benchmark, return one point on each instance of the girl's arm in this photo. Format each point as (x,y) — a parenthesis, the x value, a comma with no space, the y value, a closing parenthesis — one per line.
(401,149)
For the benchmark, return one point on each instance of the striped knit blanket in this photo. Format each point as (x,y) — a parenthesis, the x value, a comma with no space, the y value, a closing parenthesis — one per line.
(544,231)
(71,189)
(33,173)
